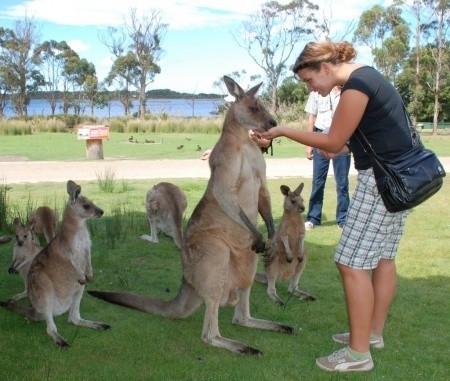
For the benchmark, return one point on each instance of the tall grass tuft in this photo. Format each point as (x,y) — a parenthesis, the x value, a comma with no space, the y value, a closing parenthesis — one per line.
(106,181)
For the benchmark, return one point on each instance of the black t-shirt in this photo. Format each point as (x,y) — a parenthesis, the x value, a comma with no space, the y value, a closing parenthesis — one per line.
(384,122)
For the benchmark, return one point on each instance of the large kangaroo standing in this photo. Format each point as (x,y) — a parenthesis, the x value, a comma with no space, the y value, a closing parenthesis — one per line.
(218,251)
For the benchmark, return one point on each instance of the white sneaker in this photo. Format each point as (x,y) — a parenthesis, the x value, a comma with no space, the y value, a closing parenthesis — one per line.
(309,225)
(341,361)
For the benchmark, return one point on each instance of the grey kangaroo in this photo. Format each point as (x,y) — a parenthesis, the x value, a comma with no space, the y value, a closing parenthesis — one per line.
(289,260)
(221,238)
(24,251)
(165,204)
(57,275)
(44,221)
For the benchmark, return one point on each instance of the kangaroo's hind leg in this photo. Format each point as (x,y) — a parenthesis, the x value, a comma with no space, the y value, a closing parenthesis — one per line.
(242,316)
(74,314)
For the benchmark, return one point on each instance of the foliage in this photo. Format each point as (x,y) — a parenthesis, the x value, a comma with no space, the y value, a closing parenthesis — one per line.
(137,48)
(271,35)
(387,35)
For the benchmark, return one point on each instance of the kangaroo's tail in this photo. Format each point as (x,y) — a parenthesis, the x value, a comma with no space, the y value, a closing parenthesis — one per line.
(184,304)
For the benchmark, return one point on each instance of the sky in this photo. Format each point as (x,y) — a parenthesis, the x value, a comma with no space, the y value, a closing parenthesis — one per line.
(199,47)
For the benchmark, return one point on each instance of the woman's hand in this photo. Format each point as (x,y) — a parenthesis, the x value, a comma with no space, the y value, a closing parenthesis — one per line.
(331,155)
(271,134)
(262,142)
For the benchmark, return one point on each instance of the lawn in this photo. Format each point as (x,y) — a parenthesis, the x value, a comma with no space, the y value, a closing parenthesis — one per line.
(146,347)
(66,147)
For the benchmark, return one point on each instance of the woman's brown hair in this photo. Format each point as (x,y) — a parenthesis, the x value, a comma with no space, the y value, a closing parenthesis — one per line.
(314,53)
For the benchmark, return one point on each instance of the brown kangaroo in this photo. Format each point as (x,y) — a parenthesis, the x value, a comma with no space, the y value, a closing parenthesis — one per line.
(24,251)
(165,204)
(221,239)
(289,260)
(44,221)
(58,273)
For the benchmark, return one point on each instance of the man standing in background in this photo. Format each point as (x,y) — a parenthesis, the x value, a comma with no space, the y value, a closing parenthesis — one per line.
(321,110)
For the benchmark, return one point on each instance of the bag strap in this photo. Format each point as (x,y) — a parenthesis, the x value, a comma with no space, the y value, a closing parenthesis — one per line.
(367,147)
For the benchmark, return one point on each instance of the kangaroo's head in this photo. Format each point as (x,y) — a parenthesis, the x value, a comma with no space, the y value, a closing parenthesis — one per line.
(246,109)
(23,233)
(80,206)
(293,201)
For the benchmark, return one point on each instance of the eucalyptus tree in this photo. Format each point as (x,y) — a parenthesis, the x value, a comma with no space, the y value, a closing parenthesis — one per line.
(386,33)
(18,62)
(137,51)
(52,58)
(76,71)
(271,35)
(123,69)
(438,37)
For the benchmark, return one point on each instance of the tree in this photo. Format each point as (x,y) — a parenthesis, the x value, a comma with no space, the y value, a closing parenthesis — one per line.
(137,50)
(387,35)
(438,32)
(52,57)
(271,35)
(19,62)
(76,72)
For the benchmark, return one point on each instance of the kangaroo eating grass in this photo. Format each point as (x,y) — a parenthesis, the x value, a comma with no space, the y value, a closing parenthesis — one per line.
(44,221)
(289,259)
(24,251)
(58,273)
(218,252)
(165,204)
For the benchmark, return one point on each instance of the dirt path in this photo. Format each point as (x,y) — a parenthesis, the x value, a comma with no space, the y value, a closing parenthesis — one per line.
(14,170)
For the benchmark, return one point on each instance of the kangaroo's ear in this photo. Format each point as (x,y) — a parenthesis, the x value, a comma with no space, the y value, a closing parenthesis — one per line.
(285,190)
(252,92)
(233,88)
(299,188)
(73,190)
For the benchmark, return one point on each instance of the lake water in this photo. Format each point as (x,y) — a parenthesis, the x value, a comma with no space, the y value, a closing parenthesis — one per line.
(173,107)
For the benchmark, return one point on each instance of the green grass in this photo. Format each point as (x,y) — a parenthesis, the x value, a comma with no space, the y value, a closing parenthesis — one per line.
(146,347)
(66,147)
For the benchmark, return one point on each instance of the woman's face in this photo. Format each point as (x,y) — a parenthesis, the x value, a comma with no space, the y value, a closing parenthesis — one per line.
(316,80)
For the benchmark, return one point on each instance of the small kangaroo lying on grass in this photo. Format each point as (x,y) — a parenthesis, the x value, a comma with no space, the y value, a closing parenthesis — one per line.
(289,260)
(24,251)
(221,239)
(58,273)
(165,204)
(4,239)
(44,221)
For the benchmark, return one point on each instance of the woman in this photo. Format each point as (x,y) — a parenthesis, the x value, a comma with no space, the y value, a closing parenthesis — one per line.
(365,255)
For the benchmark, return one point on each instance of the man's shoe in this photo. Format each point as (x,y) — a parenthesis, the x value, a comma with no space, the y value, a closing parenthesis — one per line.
(344,338)
(341,361)
(309,225)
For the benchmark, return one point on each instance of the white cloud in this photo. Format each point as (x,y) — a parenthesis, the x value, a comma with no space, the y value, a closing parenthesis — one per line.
(78,46)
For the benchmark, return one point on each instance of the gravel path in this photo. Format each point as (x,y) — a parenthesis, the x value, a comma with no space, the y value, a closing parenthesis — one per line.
(16,170)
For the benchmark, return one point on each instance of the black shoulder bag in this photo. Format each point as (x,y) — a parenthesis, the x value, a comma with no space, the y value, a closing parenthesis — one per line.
(408,180)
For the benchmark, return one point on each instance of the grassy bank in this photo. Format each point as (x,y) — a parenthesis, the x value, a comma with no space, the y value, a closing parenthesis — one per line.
(145,347)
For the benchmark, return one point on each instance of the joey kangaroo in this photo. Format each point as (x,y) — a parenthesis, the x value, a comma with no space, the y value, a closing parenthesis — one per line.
(289,259)
(4,239)
(221,238)
(165,204)
(57,275)
(44,221)
(24,251)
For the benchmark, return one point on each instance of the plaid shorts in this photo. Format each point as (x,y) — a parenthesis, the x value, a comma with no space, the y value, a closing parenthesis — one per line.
(370,232)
